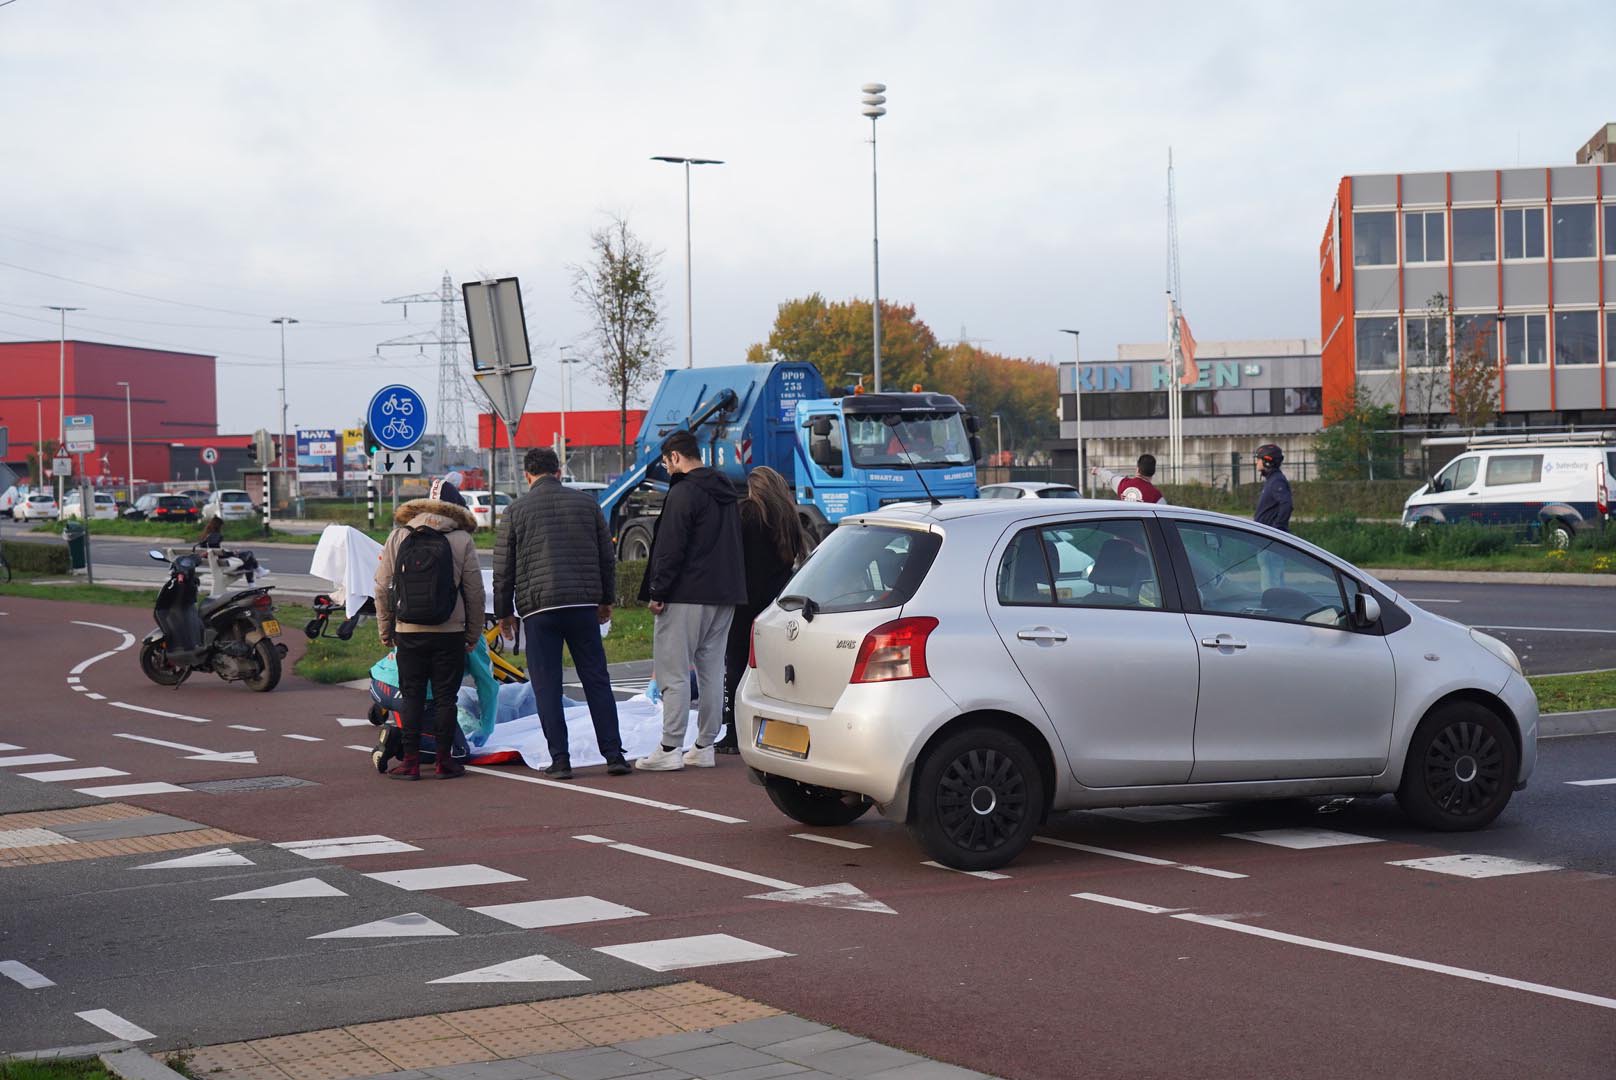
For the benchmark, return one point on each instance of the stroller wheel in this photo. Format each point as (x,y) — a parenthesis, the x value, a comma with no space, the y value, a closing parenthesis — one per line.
(377,715)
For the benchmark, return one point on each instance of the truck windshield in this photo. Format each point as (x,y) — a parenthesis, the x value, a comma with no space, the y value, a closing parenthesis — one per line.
(916,441)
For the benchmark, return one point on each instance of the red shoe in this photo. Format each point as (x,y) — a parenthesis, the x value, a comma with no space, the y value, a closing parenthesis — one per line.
(448,769)
(408,768)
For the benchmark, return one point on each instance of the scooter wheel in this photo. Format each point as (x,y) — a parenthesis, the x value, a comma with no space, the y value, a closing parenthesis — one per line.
(154,664)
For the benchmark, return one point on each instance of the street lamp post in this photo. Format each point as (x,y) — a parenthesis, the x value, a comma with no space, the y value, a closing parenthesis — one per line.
(874,107)
(566,401)
(690,333)
(1077,422)
(129,436)
(282,322)
(61,388)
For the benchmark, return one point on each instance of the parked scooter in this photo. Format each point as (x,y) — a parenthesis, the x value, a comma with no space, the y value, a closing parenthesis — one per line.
(230,633)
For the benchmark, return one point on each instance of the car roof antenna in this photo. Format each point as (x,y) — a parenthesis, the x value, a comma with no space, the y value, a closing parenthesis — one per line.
(892,421)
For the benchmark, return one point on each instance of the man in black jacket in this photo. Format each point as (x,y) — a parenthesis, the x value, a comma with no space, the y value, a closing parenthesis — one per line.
(694,580)
(555,569)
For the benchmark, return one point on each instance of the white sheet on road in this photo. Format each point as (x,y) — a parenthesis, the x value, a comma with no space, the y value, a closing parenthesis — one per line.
(516,727)
(348,559)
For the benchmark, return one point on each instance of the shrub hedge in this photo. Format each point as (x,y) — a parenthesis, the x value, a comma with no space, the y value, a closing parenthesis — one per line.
(31,558)
(629,575)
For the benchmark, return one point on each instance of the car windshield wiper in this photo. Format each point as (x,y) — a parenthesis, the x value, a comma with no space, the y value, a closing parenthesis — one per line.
(794,601)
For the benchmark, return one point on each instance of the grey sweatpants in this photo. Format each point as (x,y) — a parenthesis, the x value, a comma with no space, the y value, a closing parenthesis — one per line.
(691,636)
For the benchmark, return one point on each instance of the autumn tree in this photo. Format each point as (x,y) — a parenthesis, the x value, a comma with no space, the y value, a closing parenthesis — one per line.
(1426,384)
(838,338)
(1357,438)
(1023,392)
(1475,373)
(621,290)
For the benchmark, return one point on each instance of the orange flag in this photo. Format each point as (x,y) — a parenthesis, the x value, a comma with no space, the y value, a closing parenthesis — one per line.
(1186,345)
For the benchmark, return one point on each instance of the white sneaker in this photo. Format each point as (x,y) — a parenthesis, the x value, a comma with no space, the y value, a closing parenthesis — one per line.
(660,760)
(700,757)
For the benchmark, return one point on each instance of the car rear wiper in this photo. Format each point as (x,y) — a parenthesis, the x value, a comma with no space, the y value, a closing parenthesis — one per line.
(794,601)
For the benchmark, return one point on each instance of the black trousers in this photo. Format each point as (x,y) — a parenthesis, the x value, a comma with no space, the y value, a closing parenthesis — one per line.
(438,660)
(735,653)
(579,629)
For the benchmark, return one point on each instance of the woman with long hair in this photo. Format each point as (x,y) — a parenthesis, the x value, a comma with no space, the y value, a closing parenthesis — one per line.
(212,533)
(773,545)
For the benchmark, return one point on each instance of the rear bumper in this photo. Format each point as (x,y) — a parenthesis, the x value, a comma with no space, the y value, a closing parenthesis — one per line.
(866,744)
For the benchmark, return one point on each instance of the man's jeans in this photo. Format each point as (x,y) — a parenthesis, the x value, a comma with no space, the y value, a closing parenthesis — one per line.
(691,636)
(439,659)
(579,629)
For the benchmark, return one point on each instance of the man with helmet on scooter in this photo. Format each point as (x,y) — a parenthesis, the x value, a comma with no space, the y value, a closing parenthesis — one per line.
(1274,503)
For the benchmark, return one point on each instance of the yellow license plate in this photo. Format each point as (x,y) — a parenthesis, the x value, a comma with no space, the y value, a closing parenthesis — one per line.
(784,737)
(272,627)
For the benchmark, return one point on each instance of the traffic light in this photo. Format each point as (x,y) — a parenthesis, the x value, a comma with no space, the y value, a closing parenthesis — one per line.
(372,447)
(252,451)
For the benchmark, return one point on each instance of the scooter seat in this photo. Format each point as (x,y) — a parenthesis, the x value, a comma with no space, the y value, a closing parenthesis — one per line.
(214,603)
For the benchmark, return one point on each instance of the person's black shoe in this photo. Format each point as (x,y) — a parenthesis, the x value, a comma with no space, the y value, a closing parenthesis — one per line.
(559,769)
(618,767)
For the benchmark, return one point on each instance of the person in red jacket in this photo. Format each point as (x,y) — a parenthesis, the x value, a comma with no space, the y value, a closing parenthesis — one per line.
(1135,488)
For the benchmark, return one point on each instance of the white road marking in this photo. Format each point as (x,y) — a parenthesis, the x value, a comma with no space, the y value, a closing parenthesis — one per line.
(304,738)
(527,969)
(722,819)
(302,889)
(1132,905)
(565,911)
(985,875)
(96,697)
(413,924)
(57,776)
(72,680)
(21,838)
(694,864)
(586,838)
(83,665)
(1547,629)
(79,689)
(1474,866)
(115,1025)
(118,791)
(1592,783)
(638,800)
(1402,961)
(346,721)
(843,894)
(32,759)
(1303,839)
(23,975)
(1431,600)
(244,727)
(344,847)
(1148,860)
(201,860)
(366,749)
(160,712)
(705,950)
(6,747)
(197,753)
(831,840)
(443,877)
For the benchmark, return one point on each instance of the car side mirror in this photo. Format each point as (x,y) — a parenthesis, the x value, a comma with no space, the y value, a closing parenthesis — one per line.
(158,555)
(1365,610)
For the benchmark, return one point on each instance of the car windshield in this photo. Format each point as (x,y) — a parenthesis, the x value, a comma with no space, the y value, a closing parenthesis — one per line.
(916,440)
(860,567)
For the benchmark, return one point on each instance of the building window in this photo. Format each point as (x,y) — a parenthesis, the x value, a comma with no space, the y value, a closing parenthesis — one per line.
(1574,231)
(1523,233)
(1472,333)
(1304,401)
(1525,339)
(1475,236)
(1374,239)
(1231,402)
(1610,346)
(1423,237)
(1377,344)
(1576,337)
(1610,228)
(1427,341)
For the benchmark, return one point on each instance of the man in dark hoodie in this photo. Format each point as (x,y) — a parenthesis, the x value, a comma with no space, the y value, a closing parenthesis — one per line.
(695,578)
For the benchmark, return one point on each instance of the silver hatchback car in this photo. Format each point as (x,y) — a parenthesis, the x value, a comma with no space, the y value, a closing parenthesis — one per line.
(970,667)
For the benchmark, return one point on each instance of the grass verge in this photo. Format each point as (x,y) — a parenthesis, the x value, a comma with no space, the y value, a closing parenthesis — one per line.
(1575,693)
(55,1069)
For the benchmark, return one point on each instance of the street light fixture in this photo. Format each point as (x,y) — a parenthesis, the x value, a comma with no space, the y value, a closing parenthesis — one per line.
(1077,422)
(874,107)
(690,333)
(129,436)
(282,322)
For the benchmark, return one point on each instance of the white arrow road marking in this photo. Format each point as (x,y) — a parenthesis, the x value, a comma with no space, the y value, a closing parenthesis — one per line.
(23,975)
(840,895)
(302,889)
(205,859)
(197,753)
(5,747)
(413,924)
(528,969)
(113,1024)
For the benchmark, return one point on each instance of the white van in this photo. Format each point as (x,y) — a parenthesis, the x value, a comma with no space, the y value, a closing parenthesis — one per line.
(1551,489)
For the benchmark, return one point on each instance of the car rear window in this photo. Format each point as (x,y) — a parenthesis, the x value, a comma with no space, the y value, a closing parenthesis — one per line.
(175,502)
(235,497)
(1060,493)
(1514,469)
(864,567)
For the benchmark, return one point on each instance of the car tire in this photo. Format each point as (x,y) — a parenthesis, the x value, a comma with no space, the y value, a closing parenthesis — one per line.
(811,805)
(978,799)
(1460,770)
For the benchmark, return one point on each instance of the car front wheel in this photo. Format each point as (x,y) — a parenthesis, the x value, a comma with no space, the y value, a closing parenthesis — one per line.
(1460,770)
(978,799)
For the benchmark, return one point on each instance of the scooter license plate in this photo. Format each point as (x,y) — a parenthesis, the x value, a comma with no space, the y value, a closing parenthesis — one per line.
(272,627)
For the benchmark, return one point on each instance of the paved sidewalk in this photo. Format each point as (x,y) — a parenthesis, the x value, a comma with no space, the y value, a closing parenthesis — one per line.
(678,1032)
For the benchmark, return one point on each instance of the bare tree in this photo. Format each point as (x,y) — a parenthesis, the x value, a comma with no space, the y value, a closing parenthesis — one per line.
(621,289)
(1426,385)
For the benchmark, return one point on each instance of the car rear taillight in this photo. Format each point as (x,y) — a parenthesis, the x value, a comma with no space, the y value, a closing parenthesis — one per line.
(1601,489)
(263,603)
(894,650)
(751,647)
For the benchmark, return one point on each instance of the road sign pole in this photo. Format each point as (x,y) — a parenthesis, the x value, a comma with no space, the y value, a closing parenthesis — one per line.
(86,512)
(269,498)
(370,498)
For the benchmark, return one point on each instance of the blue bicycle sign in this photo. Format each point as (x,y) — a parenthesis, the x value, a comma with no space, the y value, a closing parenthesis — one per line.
(397,417)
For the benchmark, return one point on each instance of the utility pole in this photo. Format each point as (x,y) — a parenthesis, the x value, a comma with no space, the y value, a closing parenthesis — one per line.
(454,398)
(690,334)
(61,391)
(874,107)
(282,321)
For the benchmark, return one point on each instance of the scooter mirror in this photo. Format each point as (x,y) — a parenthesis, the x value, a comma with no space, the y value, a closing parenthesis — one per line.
(158,555)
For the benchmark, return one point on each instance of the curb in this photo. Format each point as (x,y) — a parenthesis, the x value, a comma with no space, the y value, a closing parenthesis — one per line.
(136,1064)
(1590,722)
(1496,577)
(55,1052)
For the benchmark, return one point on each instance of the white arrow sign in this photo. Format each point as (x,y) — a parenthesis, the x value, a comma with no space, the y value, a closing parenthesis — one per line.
(390,463)
(197,753)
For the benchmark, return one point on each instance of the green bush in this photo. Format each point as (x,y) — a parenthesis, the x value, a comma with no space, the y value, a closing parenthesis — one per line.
(1371,543)
(31,558)
(629,575)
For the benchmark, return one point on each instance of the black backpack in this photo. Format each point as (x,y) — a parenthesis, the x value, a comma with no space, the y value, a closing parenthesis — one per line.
(425,586)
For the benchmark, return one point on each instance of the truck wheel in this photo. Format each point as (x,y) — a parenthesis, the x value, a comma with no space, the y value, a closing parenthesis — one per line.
(815,805)
(635,546)
(979,797)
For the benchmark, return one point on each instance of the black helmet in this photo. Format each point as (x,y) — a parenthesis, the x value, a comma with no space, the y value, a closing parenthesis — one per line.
(1270,456)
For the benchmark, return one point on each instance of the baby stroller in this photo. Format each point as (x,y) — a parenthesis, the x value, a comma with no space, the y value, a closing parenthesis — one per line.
(488,666)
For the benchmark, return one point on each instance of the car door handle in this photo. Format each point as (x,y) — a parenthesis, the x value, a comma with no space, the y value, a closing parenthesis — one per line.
(1041,633)
(1222,641)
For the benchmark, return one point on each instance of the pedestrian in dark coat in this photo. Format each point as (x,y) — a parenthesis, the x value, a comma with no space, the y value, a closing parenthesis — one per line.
(772,545)
(1274,502)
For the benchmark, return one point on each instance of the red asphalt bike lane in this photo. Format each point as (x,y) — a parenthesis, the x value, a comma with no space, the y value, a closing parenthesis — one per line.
(1014,977)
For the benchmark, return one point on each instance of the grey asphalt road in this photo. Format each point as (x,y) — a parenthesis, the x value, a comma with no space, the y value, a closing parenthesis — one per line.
(1554,628)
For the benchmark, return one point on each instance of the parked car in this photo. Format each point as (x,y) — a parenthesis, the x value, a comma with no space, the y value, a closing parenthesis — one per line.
(486,506)
(105,507)
(200,496)
(230,504)
(1553,492)
(163,508)
(39,506)
(946,665)
(1026,489)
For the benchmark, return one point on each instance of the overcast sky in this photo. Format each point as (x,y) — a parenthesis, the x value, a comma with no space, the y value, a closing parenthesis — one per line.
(315,158)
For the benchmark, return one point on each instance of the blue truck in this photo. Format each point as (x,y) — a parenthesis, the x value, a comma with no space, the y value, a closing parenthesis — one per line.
(841,454)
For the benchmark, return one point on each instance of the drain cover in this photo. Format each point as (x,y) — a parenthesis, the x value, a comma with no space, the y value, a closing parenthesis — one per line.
(249,783)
